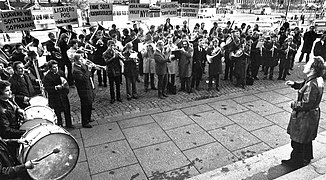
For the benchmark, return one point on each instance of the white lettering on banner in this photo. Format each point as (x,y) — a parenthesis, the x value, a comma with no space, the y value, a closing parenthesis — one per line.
(65,15)
(17,20)
(100,12)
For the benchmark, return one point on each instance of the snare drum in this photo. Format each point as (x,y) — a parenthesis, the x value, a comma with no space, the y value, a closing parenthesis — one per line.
(42,140)
(39,112)
(39,100)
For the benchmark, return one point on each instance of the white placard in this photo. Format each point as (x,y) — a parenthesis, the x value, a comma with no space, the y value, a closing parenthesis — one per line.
(65,15)
(189,10)
(100,12)
(17,20)
(169,9)
(138,11)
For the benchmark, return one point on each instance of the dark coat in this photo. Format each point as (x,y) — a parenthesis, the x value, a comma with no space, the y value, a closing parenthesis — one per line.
(160,62)
(199,60)
(256,55)
(285,59)
(98,55)
(303,125)
(21,88)
(270,54)
(185,63)
(308,41)
(82,77)
(215,67)
(9,121)
(113,64)
(130,66)
(58,99)
(8,167)
(64,48)
(320,50)
(17,57)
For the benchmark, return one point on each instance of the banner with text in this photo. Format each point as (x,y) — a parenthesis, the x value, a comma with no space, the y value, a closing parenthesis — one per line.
(17,20)
(169,9)
(189,10)
(138,11)
(65,15)
(100,12)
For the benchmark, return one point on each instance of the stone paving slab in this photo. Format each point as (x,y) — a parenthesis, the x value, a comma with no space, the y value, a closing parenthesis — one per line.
(189,136)
(285,105)
(180,173)
(160,157)
(262,107)
(196,109)
(145,135)
(135,121)
(234,137)
(282,119)
(228,107)
(172,119)
(273,135)
(250,120)
(272,97)
(251,151)
(133,172)
(211,120)
(109,156)
(245,99)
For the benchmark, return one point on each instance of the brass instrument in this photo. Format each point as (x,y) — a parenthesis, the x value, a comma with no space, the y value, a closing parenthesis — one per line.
(117,52)
(90,64)
(287,51)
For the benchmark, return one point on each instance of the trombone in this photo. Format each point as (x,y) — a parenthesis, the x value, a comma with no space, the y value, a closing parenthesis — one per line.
(89,63)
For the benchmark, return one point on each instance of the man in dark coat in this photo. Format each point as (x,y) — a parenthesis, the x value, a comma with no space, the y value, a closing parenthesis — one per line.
(64,47)
(320,47)
(161,60)
(21,85)
(215,65)
(308,40)
(56,86)
(18,54)
(270,56)
(84,84)
(53,51)
(198,67)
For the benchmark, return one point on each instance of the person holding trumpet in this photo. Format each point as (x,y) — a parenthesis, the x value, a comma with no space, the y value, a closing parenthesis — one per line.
(130,71)
(112,60)
(214,59)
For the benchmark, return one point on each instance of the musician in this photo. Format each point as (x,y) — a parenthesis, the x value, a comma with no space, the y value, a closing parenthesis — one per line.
(232,43)
(149,65)
(64,47)
(228,28)
(115,31)
(240,57)
(167,26)
(56,86)
(126,37)
(256,54)
(288,50)
(54,51)
(112,61)
(85,87)
(32,66)
(215,64)
(270,56)
(185,27)
(151,30)
(172,66)
(308,40)
(10,167)
(130,72)
(73,44)
(35,46)
(70,32)
(21,85)
(4,73)
(161,60)
(185,65)
(199,59)
(27,38)
(100,48)
(18,54)
(213,29)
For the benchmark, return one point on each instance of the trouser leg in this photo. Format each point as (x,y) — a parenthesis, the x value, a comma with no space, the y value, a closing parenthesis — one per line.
(111,84)
(117,86)
(152,81)
(146,80)
(59,117)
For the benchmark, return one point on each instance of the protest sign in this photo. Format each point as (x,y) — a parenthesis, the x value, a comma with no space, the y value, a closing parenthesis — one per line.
(65,15)
(17,20)
(100,12)
(169,9)
(138,11)
(189,10)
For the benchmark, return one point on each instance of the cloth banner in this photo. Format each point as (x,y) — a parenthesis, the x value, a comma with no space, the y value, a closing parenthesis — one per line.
(65,15)
(137,10)
(17,20)
(169,9)
(100,12)
(189,10)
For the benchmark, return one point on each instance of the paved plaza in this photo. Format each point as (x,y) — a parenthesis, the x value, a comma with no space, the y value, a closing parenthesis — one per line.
(185,134)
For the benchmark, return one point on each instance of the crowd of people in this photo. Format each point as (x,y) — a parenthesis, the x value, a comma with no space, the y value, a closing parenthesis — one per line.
(166,51)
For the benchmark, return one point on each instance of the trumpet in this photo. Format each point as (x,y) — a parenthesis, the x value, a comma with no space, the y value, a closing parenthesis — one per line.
(117,52)
(93,65)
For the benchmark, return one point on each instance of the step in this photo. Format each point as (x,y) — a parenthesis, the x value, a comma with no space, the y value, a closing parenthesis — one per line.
(313,170)
(263,164)
(322,177)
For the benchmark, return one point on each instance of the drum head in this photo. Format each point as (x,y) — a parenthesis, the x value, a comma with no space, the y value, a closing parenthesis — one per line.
(39,100)
(39,112)
(55,166)
(30,124)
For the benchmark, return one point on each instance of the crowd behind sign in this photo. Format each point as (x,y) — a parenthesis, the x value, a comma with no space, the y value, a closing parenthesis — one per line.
(17,20)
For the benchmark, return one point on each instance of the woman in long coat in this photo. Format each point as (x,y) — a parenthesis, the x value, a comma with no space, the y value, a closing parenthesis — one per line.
(305,116)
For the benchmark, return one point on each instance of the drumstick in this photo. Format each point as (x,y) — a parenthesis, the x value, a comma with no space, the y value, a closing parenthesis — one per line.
(55,151)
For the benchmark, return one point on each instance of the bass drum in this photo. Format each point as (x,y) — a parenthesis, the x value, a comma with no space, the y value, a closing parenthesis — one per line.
(43,139)
(30,124)
(39,100)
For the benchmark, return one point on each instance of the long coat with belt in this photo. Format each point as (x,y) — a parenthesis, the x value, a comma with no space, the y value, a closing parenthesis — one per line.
(58,99)
(185,63)
(161,63)
(21,88)
(305,116)
(83,83)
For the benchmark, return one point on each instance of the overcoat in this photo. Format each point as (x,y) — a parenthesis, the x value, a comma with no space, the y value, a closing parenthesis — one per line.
(305,116)
(308,41)
(161,63)
(21,88)
(185,63)
(83,83)
(215,66)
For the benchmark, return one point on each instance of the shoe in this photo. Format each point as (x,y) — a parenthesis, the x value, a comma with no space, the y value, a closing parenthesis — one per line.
(128,98)
(112,101)
(71,127)
(119,99)
(105,85)
(292,164)
(146,89)
(217,89)
(256,78)
(87,126)
(100,85)
(164,95)
(153,88)
(264,78)
(182,89)
(135,97)
(279,78)
(93,108)
(161,97)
